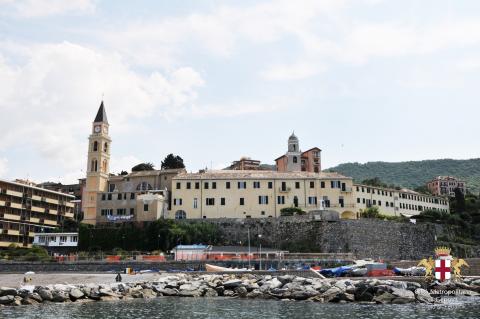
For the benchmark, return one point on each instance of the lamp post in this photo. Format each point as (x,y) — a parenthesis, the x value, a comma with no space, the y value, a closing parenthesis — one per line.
(260,246)
(158,243)
(249,254)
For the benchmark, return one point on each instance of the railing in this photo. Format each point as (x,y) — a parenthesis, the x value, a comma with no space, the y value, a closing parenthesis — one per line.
(284,190)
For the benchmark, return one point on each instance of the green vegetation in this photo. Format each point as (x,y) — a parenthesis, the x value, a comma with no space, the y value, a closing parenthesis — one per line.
(159,235)
(172,162)
(374,212)
(415,173)
(143,167)
(13,252)
(290,211)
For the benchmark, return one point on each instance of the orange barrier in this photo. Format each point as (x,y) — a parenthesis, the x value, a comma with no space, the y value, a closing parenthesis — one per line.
(113,258)
(153,258)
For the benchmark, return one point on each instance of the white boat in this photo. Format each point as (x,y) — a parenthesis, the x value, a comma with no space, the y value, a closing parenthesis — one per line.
(213,268)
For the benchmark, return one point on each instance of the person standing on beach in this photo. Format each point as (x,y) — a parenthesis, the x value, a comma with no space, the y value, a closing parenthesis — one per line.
(118,278)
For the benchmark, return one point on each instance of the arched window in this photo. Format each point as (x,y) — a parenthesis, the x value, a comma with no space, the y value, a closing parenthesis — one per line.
(294,159)
(144,186)
(95,146)
(180,214)
(94,165)
(105,147)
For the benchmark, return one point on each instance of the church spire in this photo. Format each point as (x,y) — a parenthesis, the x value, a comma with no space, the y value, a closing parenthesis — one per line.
(101,115)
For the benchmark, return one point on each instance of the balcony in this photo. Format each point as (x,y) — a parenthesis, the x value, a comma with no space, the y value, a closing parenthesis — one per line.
(37,198)
(70,204)
(52,211)
(50,222)
(284,190)
(69,215)
(35,220)
(16,205)
(346,190)
(11,232)
(51,201)
(2,203)
(14,193)
(11,216)
(38,209)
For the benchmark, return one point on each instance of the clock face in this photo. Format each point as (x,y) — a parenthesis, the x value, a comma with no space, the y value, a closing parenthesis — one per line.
(97,129)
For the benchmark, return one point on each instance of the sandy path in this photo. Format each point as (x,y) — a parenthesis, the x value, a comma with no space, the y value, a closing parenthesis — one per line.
(16,280)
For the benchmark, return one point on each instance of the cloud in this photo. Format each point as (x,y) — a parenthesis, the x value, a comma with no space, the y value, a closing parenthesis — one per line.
(51,98)
(45,8)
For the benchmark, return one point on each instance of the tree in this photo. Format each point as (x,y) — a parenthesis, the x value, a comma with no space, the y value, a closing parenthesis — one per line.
(459,201)
(374,182)
(172,162)
(371,212)
(123,173)
(143,167)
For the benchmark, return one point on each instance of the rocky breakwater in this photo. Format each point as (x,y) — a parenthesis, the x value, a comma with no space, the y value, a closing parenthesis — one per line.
(251,286)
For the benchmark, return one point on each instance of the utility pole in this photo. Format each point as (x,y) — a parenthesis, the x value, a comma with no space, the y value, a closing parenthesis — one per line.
(249,255)
(260,245)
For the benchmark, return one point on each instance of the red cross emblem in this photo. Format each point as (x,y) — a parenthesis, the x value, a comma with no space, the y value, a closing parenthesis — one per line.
(442,269)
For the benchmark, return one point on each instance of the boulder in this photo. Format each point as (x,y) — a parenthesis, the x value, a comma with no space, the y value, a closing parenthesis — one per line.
(384,298)
(168,292)
(148,293)
(59,296)
(402,296)
(75,294)
(229,293)
(241,291)
(209,292)
(29,301)
(136,294)
(274,283)
(331,294)
(4,291)
(17,301)
(423,296)
(254,294)
(189,293)
(46,294)
(285,279)
(6,300)
(232,284)
(35,296)
(220,290)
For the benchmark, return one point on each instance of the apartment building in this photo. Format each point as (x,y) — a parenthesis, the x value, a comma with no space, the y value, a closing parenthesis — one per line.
(446,185)
(256,194)
(245,164)
(394,202)
(26,209)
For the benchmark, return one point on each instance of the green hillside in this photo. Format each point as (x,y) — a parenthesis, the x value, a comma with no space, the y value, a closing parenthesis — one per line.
(415,173)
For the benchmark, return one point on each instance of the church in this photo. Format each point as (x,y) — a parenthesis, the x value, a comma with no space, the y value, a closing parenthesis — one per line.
(136,197)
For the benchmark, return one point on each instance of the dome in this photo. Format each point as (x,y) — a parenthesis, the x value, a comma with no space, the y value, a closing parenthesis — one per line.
(293,138)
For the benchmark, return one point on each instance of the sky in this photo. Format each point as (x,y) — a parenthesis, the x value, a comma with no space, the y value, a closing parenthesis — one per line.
(212,81)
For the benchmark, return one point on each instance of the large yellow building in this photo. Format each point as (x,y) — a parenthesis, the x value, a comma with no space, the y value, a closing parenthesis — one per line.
(26,209)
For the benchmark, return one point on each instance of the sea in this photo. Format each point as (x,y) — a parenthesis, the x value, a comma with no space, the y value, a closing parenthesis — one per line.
(174,307)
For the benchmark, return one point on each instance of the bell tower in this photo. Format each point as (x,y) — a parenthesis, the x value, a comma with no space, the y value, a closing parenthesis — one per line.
(294,155)
(98,165)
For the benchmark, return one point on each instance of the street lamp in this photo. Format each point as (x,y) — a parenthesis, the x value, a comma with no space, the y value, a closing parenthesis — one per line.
(249,254)
(260,245)
(158,243)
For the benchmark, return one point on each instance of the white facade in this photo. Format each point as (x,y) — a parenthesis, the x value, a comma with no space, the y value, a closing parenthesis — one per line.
(56,239)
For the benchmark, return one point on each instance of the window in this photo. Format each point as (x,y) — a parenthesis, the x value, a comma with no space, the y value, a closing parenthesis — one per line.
(214,185)
(263,200)
(74,239)
(387,204)
(284,186)
(242,185)
(358,189)
(358,200)
(262,213)
(374,202)
(242,201)
(109,196)
(256,184)
(144,186)
(132,195)
(322,184)
(195,203)
(227,185)
(119,196)
(281,200)
(222,201)
(104,196)
(297,185)
(326,201)
(121,211)
(95,146)
(178,185)
(63,239)
(312,184)
(379,203)
(210,201)
(105,147)
(312,200)
(295,159)
(197,185)
(180,214)
(177,202)
(270,185)
(132,211)
(363,200)
(205,185)
(145,207)
(341,201)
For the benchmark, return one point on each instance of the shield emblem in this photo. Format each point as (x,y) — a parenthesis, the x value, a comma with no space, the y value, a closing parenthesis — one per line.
(442,269)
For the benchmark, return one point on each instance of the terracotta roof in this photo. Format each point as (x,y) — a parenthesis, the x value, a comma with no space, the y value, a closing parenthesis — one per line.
(236,174)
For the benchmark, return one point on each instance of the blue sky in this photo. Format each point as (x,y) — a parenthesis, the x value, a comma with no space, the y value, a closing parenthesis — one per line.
(212,81)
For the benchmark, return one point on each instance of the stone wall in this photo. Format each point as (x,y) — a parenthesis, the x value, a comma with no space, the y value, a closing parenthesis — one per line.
(366,238)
